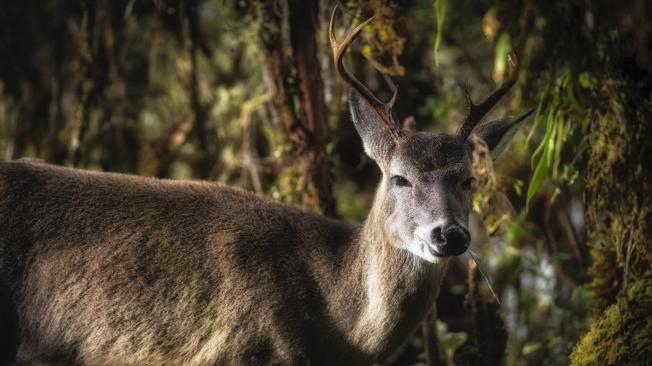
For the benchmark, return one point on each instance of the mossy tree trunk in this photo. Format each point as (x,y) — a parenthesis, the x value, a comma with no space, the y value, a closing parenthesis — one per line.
(619,195)
(287,34)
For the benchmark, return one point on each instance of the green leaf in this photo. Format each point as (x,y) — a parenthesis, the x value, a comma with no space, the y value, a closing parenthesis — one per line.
(449,341)
(503,48)
(546,150)
(537,119)
(531,347)
(587,81)
(562,132)
(540,174)
(452,341)
(440,15)
(518,187)
(539,150)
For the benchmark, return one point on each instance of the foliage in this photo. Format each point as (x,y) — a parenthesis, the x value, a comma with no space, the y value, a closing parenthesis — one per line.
(449,341)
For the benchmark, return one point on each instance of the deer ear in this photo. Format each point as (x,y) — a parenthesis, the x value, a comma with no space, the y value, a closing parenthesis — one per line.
(377,141)
(498,133)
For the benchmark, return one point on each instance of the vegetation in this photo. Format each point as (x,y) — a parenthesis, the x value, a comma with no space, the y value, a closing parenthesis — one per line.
(244,93)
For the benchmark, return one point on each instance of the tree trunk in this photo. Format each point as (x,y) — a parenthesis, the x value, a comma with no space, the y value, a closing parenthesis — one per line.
(318,194)
(619,197)
(295,84)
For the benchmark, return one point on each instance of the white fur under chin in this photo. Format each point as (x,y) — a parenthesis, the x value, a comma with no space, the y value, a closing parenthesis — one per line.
(419,243)
(420,249)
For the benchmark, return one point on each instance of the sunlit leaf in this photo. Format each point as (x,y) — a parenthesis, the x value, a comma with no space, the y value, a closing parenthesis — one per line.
(440,15)
(503,49)
(538,117)
(587,80)
(539,150)
(531,347)
(449,341)
(540,174)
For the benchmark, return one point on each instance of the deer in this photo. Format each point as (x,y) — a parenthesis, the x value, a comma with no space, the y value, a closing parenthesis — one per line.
(112,269)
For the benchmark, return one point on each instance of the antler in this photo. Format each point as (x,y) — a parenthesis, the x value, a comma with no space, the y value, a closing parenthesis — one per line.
(477,111)
(382,110)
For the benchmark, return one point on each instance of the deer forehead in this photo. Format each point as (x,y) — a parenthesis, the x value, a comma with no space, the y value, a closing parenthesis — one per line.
(424,152)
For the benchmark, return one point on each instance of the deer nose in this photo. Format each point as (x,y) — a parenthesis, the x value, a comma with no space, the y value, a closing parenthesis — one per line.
(449,240)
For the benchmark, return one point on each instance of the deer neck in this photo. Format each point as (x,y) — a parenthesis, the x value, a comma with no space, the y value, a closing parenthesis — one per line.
(399,287)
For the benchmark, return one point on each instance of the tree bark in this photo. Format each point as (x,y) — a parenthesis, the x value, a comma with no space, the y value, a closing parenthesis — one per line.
(318,194)
(296,88)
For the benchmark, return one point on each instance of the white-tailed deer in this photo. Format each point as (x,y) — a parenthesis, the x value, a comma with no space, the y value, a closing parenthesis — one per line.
(99,268)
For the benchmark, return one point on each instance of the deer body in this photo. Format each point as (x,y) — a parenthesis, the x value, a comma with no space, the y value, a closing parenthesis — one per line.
(99,268)
(113,269)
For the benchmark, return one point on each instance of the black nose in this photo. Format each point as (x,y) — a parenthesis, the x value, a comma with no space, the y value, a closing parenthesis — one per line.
(449,240)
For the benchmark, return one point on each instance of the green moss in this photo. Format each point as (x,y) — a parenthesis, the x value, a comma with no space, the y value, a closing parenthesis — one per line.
(623,334)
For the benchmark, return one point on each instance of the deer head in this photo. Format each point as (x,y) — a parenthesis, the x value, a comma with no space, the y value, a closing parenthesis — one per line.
(425,192)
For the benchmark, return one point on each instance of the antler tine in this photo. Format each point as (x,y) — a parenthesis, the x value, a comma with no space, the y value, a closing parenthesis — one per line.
(382,110)
(394,88)
(477,111)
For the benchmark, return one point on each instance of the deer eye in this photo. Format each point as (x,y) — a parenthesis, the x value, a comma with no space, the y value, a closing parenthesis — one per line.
(401,181)
(468,184)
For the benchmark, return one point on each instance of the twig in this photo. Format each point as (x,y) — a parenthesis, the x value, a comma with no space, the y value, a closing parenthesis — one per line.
(572,237)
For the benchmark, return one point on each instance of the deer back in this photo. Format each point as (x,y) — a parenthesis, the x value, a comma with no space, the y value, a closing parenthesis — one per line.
(111,267)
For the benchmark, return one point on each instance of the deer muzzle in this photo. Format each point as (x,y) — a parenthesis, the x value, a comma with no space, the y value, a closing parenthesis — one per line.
(450,240)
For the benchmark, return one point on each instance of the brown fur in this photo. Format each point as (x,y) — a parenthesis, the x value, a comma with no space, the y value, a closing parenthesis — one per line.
(99,268)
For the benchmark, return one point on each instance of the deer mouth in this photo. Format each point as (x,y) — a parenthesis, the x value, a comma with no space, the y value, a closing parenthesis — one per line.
(445,252)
